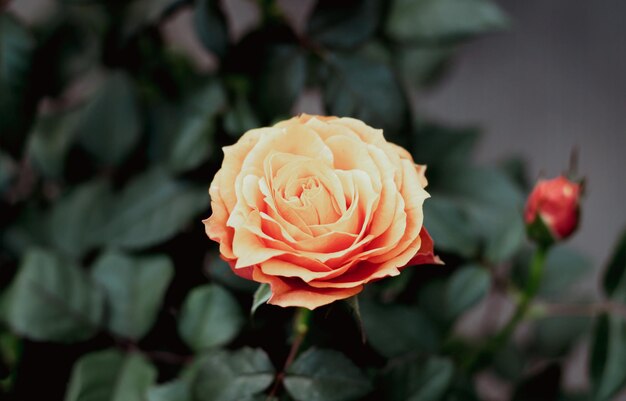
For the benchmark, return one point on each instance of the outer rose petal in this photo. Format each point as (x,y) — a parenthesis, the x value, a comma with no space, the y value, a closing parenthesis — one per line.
(294,292)
(317,207)
(426,254)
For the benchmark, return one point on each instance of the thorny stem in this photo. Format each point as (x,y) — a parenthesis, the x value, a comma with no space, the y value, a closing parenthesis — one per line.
(300,330)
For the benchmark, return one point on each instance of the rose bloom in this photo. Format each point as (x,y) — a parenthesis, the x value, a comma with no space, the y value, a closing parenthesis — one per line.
(316,207)
(556,202)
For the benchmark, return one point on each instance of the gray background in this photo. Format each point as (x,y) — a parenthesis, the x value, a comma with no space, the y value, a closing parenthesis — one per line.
(556,80)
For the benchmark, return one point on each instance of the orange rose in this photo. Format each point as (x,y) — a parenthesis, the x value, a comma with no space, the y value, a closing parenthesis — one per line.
(317,207)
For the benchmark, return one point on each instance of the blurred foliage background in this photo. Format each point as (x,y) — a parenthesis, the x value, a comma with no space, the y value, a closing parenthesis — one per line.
(112,116)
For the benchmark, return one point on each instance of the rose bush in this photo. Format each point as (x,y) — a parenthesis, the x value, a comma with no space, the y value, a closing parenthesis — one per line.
(316,207)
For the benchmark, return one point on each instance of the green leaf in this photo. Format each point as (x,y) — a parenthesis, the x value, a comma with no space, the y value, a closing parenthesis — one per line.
(77,216)
(8,170)
(211,26)
(506,238)
(353,84)
(10,356)
(608,354)
(232,376)
(282,80)
(53,300)
(183,133)
(450,227)
(393,330)
(421,66)
(442,19)
(210,317)
(50,141)
(486,196)
(509,362)
(325,375)
(419,380)
(152,208)
(354,306)
(346,24)
(261,296)
(439,145)
(564,267)
(178,390)
(240,117)
(466,287)
(614,281)
(110,376)
(124,279)
(555,336)
(110,124)
(431,300)
(17,52)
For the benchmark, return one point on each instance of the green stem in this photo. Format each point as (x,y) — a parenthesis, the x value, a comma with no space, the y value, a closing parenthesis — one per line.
(301,323)
(535,275)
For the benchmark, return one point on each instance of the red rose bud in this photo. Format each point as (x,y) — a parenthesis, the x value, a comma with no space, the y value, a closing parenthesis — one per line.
(552,210)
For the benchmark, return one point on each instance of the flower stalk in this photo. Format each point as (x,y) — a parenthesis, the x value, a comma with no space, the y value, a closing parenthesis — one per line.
(301,323)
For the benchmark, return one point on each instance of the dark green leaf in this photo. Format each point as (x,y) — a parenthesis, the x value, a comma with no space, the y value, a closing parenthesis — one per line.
(419,380)
(53,300)
(608,354)
(439,145)
(133,310)
(232,376)
(422,65)
(615,277)
(10,356)
(364,89)
(17,50)
(183,137)
(211,26)
(563,269)
(506,238)
(431,300)
(442,19)
(261,296)
(487,196)
(151,209)
(555,336)
(110,376)
(240,117)
(27,231)
(355,308)
(179,390)
(394,330)
(50,140)
(110,124)
(8,169)
(509,362)
(282,80)
(466,287)
(325,375)
(210,317)
(450,227)
(344,24)
(77,216)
